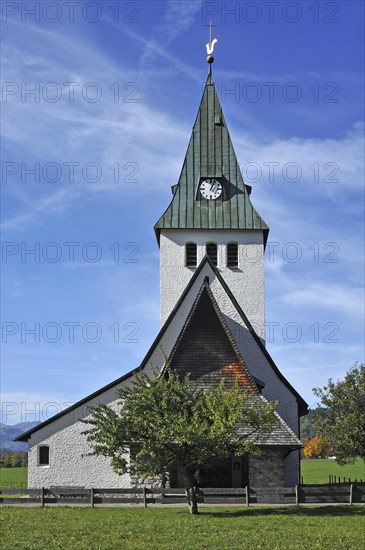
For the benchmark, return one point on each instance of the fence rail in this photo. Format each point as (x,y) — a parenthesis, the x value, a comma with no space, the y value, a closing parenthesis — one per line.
(307,494)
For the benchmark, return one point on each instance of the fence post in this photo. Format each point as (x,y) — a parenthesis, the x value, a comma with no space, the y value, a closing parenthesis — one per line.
(92,497)
(247,496)
(296,496)
(144,497)
(351,492)
(42,497)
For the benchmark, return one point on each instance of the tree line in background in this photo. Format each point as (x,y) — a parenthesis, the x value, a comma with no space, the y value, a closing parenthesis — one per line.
(13,459)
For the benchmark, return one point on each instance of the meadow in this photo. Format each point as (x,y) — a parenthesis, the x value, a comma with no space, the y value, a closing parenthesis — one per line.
(133,528)
(317,471)
(13,478)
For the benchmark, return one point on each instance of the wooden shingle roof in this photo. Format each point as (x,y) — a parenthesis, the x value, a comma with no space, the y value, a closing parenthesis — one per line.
(210,154)
(280,434)
(206,349)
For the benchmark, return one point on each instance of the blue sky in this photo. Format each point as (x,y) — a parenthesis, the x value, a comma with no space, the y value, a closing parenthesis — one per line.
(116,87)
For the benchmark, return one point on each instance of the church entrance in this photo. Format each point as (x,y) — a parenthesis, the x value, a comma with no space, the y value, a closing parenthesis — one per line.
(233,473)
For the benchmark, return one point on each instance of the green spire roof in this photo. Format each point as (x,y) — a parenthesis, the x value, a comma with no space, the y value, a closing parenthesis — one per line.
(210,154)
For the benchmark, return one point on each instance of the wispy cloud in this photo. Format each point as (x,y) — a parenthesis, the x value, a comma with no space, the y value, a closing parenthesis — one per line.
(330,296)
(35,210)
(179,17)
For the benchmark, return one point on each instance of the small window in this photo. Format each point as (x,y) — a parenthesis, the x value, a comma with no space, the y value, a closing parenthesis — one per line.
(190,255)
(43,455)
(232,255)
(212,252)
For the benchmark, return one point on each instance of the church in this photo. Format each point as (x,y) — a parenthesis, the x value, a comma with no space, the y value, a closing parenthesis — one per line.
(212,243)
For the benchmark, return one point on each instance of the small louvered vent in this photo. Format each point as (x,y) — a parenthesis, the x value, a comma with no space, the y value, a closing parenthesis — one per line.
(232,255)
(191,256)
(212,252)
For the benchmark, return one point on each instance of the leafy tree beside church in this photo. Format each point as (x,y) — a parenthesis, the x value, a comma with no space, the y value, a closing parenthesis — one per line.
(341,416)
(170,420)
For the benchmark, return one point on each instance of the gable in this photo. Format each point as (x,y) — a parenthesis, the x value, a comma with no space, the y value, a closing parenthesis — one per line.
(205,348)
(175,328)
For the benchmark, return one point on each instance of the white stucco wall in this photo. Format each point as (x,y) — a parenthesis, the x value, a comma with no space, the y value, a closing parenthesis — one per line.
(67,465)
(246,282)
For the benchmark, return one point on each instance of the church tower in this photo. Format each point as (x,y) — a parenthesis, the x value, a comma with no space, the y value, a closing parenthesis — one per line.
(211,214)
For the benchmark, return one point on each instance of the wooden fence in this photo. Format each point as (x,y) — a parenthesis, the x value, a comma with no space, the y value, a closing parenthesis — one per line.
(334,480)
(307,494)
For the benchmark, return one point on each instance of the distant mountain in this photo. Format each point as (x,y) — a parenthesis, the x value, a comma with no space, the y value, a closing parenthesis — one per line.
(9,433)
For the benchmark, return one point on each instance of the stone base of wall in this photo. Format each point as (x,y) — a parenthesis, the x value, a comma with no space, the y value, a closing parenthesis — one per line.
(267,470)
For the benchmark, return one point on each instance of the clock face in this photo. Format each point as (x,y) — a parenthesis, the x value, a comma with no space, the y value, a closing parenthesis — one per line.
(211,189)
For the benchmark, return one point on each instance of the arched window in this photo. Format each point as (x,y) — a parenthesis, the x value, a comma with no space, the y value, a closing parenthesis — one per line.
(190,255)
(212,252)
(232,255)
(43,455)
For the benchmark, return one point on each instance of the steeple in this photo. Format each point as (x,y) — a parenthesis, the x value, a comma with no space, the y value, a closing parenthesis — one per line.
(211,215)
(210,154)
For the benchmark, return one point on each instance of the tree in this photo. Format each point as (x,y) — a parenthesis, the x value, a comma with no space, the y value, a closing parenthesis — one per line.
(13,459)
(341,416)
(172,420)
(306,425)
(317,447)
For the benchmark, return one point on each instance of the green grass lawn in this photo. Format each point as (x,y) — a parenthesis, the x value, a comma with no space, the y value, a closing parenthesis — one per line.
(317,471)
(13,478)
(173,529)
